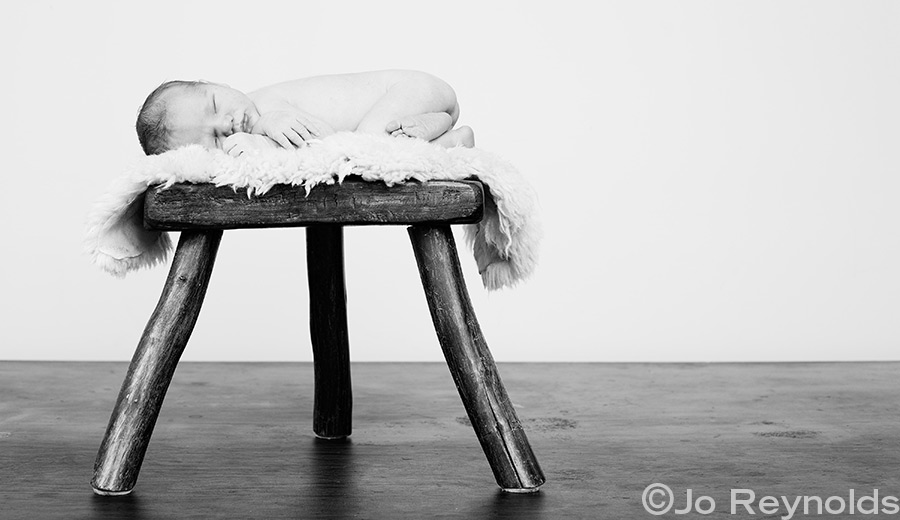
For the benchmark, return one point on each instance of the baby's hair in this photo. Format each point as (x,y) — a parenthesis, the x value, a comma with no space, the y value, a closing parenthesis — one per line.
(151,127)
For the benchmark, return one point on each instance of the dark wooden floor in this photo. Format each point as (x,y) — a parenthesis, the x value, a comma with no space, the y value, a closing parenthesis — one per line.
(235,440)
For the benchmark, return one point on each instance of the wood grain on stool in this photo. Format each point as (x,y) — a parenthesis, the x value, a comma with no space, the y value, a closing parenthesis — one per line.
(354,202)
(153,365)
(492,415)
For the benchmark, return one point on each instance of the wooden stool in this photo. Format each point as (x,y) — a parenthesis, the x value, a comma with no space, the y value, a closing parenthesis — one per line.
(202,211)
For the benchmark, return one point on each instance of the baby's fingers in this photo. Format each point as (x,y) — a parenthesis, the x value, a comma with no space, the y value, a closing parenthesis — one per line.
(296,139)
(302,130)
(234,150)
(315,130)
(282,141)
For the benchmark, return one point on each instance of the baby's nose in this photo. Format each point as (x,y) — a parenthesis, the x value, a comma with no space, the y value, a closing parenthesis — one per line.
(225,125)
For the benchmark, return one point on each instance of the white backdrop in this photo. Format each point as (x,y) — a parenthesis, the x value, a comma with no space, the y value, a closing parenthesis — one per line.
(719,180)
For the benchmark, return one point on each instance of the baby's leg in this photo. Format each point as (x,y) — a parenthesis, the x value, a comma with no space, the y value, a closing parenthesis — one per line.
(424,126)
(413,96)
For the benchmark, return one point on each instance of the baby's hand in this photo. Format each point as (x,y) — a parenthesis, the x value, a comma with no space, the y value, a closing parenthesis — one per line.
(291,129)
(236,144)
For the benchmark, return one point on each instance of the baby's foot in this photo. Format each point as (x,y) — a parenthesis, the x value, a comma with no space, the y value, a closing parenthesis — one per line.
(462,136)
(423,126)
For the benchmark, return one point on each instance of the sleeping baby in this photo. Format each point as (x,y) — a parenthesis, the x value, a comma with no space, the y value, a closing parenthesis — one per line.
(288,115)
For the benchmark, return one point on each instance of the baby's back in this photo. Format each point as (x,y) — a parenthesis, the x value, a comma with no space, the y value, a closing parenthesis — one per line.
(341,100)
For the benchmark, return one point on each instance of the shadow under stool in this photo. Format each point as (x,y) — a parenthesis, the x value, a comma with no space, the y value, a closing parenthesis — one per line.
(202,211)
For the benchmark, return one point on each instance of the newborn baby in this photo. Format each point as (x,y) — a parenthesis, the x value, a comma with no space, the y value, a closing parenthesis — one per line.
(288,115)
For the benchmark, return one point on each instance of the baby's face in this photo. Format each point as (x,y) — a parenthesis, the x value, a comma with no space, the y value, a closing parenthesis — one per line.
(207,114)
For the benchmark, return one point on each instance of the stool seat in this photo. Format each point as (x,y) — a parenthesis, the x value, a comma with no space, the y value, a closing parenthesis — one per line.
(354,202)
(202,211)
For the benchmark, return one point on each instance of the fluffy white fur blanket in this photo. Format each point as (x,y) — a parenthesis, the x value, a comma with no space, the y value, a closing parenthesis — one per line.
(505,243)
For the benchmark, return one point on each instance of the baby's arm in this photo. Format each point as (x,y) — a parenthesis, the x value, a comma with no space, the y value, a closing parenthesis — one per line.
(289,126)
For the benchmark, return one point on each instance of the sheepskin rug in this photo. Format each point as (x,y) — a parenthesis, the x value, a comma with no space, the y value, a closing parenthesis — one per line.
(505,242)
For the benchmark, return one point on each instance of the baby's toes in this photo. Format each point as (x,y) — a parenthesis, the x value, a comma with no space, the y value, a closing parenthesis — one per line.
(413,128)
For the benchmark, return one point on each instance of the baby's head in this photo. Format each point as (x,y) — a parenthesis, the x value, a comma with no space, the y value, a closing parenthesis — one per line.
(179,113)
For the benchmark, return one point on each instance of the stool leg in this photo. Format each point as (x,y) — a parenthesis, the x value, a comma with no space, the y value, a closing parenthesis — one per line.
(495,422)
(333,403)
(153,365)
